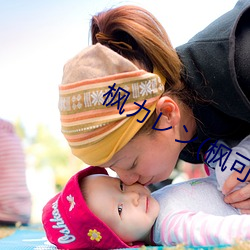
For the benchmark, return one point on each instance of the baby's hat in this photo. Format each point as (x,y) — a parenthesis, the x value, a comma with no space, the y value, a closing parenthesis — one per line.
(69,223)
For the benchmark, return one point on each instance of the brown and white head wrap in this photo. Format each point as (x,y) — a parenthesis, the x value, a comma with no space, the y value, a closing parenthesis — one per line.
(95,132)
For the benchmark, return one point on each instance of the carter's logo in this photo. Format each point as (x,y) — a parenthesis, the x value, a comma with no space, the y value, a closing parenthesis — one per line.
(67,237)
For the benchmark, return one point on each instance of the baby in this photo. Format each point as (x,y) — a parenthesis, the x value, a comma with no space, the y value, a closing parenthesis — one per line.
(96,211)
(70,223)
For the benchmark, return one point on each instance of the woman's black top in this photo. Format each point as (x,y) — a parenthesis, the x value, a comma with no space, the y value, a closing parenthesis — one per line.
(217,68)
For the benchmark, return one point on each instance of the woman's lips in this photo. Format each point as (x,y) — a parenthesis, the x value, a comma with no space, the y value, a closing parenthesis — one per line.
(148,183)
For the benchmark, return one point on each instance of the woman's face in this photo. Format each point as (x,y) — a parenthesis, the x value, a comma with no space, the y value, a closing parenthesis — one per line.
(146,158)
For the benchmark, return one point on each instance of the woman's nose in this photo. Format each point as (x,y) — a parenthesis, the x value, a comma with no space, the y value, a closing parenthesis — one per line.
(126,177)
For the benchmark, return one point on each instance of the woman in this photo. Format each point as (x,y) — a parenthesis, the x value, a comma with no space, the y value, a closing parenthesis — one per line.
(205,97)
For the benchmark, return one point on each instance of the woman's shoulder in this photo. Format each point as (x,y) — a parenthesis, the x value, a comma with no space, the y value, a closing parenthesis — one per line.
(209,65)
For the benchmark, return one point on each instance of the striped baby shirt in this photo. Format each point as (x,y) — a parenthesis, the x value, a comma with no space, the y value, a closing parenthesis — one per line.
(194,212)
(15,200)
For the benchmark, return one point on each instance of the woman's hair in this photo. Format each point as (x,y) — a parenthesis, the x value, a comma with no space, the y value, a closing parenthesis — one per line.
(137,35)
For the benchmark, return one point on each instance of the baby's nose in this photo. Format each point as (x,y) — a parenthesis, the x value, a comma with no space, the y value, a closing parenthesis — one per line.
(133,197)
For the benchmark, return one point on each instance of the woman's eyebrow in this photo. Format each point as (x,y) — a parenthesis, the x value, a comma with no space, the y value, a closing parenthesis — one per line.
(112,165)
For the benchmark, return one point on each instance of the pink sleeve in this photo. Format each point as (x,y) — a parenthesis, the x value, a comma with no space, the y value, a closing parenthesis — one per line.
(15,200)
(201,229)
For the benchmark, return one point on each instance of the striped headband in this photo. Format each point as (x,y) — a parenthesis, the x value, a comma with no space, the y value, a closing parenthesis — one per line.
(99,90)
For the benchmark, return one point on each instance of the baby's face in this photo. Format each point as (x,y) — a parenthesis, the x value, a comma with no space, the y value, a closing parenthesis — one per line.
(130,211)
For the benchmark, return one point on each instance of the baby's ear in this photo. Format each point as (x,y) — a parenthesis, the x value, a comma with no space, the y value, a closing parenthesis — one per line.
(169,109)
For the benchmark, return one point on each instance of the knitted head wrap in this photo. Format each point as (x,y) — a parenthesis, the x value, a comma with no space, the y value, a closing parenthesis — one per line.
(92,81)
